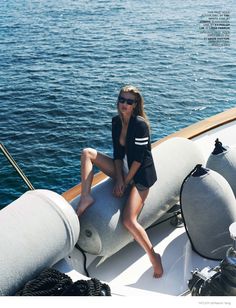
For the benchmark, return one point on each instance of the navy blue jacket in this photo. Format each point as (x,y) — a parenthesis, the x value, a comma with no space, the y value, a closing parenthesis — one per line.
(137,148)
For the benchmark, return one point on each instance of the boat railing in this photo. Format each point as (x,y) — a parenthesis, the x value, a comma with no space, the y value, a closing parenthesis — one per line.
(15,166)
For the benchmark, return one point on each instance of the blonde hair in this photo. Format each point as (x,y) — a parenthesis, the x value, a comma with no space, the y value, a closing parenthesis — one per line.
(139,108)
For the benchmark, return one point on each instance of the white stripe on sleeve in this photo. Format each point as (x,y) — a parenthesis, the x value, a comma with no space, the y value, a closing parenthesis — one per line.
(141,139)
(141,143)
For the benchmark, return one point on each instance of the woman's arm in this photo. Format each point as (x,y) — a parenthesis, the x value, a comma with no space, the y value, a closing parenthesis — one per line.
(119,169)
(141,141)
(132,171)
(119,185)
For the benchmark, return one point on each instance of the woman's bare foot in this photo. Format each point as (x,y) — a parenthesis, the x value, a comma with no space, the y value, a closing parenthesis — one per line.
(157,265)
(84,203)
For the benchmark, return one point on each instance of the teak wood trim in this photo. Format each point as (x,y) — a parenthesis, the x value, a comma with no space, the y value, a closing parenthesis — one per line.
(189,132)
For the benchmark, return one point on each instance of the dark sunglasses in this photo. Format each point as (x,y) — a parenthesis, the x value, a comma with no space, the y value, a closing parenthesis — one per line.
(129,101)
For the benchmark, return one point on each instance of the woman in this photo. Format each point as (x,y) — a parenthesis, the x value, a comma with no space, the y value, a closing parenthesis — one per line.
(131,140)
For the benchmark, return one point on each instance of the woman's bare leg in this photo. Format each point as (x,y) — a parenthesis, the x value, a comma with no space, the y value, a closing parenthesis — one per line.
(130,215)
(89,158)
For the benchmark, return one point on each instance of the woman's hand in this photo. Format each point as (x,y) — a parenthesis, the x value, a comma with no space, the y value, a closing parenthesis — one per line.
(119,188)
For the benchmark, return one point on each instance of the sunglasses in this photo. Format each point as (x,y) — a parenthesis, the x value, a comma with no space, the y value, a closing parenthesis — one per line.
(129,101)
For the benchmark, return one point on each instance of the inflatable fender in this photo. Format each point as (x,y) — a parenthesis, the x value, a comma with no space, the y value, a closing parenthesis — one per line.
(223,161)
(208,208)
(101,229)
(37,230)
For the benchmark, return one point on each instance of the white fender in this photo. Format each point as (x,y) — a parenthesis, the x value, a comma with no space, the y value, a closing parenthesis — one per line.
(208,207)
(224,162)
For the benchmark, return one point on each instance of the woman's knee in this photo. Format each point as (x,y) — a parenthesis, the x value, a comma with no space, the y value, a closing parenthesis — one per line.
(88,153)
(128,222)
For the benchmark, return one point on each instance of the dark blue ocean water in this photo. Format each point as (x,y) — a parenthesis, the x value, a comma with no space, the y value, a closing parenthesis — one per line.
(62,63)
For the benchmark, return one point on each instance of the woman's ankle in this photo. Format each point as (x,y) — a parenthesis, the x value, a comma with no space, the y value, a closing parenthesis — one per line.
(85,202)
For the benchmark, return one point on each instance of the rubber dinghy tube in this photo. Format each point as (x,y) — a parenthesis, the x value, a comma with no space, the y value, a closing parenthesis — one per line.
(208,207)
(101,228)
(37,230)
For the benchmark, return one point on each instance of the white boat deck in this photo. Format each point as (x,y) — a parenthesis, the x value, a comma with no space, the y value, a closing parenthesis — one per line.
(131,267)
(129,270)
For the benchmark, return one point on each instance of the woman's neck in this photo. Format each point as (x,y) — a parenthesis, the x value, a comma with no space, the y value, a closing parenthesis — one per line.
(125,119)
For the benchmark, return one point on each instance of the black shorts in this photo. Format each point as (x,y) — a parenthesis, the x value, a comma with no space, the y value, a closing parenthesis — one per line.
(140,187)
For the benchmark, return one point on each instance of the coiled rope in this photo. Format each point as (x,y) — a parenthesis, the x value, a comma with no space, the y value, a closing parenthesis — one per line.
(54,283)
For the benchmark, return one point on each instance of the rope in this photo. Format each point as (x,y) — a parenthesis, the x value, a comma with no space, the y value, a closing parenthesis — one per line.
(54,283)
